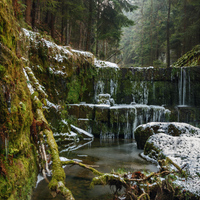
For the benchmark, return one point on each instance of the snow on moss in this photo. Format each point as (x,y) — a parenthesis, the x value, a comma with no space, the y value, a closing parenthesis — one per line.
(169,127)
(183,150)
(52,105)
(58,53)
(61,53)
(143,68)
(102,64)
(53,70)
(35,83)
(30,87)
(86,54)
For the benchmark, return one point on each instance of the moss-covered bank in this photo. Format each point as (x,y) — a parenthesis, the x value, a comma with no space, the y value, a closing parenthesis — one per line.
(18,167)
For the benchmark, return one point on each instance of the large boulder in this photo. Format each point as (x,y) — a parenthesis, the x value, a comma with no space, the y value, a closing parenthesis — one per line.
(182,150)
(144,131)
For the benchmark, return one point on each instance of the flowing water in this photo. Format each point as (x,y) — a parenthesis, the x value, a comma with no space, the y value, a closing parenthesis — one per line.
(107,155)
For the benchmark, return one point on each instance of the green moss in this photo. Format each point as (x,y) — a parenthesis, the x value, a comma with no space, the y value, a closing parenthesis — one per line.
(153,152)
(142,135)
(74,91)
(173,130)
(8,28)
(20,167)
(35,94)
(102,114)
(191,58)
(23,107)
(21,175)
(2,71)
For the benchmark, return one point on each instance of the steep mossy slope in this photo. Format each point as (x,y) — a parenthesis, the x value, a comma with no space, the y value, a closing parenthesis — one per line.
(61,74)
(18,168)
(191,58)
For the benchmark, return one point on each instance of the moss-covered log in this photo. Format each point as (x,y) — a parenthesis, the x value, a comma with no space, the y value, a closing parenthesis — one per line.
(72,162)
(56,184)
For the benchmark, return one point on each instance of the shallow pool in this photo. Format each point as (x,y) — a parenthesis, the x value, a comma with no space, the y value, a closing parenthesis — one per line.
(107,155)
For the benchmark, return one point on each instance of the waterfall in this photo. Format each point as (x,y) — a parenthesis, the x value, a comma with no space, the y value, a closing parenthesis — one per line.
(113,87)
(169,87)
(180,86)
(98,88)
(183,86)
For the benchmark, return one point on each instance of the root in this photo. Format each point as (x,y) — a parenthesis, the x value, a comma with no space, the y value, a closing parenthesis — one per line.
(45,159)
(71,162)
(142,195)
(56,184)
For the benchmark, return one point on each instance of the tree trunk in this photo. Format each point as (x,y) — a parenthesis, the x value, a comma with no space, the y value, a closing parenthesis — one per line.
(168,34)
(16,7)
(151,37)
(89,29)
(47,18)
(184,28)
(70,31)
(142,53)
(38,11)
(28,11)
(97,31)
(80,35)
(34,14)
(52,25)
(67,27)
(62,25)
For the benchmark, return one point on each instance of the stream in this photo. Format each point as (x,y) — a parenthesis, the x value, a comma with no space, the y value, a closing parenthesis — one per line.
(108,154)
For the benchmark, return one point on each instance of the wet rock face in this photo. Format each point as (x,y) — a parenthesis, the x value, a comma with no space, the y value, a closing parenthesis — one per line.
(104,120)
(144,131)
(150,85)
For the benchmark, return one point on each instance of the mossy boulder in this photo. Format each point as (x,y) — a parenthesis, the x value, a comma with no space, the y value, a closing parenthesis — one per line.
(144,131)
(153,151)
(142,134)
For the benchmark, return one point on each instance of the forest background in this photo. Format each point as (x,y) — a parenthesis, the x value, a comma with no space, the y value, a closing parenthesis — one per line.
(157,32)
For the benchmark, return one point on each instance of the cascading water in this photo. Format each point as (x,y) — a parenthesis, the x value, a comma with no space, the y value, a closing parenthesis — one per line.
(119,120)
(136,92)
(182,86)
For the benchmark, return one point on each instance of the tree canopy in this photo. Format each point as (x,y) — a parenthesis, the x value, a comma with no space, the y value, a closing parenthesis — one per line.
(92,25)
(161,27)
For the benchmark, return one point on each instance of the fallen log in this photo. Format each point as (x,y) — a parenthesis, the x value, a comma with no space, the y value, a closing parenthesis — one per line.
(56,184)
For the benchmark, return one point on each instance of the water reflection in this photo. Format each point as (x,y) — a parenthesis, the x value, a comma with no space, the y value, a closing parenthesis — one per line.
(107,155)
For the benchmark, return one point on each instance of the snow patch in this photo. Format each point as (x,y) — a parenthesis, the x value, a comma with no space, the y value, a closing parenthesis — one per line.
(81,131)
(52,105)
(182,150)
(184,128)
(102,64)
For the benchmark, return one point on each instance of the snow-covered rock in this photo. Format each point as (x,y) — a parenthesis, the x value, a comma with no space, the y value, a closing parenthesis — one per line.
(144,131)
(105,99)
(184,150)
